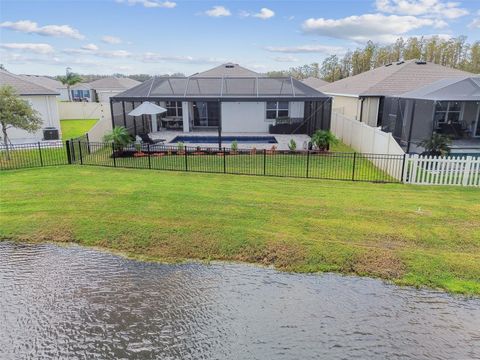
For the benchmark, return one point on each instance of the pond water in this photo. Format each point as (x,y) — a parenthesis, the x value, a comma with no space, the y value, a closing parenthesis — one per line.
(77,303)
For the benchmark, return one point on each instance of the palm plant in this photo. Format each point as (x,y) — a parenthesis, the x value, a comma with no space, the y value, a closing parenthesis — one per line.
(322,139)
(120,138)
(437,145)
(70,79)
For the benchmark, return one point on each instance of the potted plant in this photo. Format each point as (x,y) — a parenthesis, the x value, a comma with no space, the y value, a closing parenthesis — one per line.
(273,150)
(253,151)
(234,147)
(437,145)
(322,139)
(292,145)
(180,148)
(120,138)
(199,151)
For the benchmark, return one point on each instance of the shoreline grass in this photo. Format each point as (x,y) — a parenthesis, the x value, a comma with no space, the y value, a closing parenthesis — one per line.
(411,235)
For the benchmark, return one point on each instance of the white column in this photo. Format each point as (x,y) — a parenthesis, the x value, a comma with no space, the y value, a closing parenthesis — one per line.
(186,117)
(154,122)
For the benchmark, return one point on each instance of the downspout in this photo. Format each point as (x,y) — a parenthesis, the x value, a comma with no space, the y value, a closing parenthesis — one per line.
(362,99)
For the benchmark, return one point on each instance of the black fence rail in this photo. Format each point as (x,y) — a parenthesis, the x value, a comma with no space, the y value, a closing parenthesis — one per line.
(17,156)
(299,164)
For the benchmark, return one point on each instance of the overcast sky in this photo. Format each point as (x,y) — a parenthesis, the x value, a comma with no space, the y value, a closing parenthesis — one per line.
(167,36)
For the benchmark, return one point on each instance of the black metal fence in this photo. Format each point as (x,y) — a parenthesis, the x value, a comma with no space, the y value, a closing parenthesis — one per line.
(300,164)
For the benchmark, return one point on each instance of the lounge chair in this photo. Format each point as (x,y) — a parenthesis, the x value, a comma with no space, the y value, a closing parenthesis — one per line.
(146,139)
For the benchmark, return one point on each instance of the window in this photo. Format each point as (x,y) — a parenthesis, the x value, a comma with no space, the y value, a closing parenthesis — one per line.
(80,94)
(174,108)
(276,109)
(447,112)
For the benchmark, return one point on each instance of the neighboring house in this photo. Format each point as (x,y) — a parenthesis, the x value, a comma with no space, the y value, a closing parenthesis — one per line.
(314,82)
(244,104)
(227,70)
(448,106)
(49,83)
(42,99)
(82,92)
(107,87)
(361,97)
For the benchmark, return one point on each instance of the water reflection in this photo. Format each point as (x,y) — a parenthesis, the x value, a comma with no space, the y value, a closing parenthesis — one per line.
(79,303)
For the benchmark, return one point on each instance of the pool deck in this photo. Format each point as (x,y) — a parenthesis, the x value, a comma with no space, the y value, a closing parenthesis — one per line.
(282,140)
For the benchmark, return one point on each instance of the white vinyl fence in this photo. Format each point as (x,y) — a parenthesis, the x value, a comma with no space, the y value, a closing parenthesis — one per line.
(368,140)
(437,170)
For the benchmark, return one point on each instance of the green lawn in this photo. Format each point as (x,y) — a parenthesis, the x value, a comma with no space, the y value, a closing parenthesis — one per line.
(415,235)
(76,127)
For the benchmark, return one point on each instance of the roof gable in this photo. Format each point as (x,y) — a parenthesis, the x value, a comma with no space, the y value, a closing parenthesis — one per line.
(113,82)
(227,70)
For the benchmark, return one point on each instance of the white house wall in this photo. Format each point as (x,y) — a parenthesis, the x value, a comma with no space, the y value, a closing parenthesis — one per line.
(47,106)
(346,105)
(244,117)
(105,95)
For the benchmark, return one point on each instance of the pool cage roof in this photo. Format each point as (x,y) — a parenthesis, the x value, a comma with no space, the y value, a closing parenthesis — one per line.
(221,88)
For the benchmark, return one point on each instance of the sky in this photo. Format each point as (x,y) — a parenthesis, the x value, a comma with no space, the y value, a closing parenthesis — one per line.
(170,36)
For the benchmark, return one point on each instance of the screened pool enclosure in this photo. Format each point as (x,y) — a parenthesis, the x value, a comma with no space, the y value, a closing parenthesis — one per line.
(225,104)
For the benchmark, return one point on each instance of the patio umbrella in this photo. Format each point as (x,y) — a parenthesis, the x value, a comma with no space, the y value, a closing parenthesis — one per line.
(147,108)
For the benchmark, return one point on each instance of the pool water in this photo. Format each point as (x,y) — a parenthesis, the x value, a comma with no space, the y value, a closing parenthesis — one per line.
(214,139)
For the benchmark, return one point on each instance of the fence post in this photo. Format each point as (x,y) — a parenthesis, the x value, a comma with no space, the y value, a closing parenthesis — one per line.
(402,174)
(353,169)
(413,172)
(67,148)
(466,171)
(186,158)
(308,161)
(80,152)
(148,154)
(40,153)
(113,155)
(88,142)
(224,161)
(72,149)
(264,162)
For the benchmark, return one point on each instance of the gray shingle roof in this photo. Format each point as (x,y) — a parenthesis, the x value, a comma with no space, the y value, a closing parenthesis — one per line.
(44,81)
(113,82)
(23,86)
(395,79)
(227,70)
(314,82)
(458,89)
(233,88)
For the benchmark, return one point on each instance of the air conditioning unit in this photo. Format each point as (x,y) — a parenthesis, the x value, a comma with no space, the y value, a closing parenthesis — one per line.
(50,133)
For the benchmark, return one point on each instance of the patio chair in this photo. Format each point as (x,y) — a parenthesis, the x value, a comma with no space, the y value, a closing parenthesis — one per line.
(146,139)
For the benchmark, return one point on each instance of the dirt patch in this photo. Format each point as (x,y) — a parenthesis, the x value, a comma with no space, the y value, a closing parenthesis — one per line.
(283,255)
(380,263)
(58,233)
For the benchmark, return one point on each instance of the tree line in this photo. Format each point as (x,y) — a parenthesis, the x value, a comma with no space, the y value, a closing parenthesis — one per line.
(456,53)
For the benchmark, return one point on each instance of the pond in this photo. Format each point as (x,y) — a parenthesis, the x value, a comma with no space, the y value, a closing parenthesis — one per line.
(78,303)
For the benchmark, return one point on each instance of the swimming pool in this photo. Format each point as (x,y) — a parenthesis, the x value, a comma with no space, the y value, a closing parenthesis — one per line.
(227,139)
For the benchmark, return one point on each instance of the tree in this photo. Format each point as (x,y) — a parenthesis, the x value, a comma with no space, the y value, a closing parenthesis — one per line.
(16,112)
(70,79)
(437,145)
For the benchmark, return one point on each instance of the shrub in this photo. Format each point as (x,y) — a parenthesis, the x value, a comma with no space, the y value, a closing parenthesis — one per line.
(437,145)
(180,146)
(322,139)
(234,146)
(120,138)
(292,145)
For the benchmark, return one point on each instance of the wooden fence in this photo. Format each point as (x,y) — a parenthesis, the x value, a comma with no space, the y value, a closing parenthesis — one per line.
(437,170)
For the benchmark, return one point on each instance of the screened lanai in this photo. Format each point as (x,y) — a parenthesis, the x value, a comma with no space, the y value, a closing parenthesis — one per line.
(450,107)
(231,104)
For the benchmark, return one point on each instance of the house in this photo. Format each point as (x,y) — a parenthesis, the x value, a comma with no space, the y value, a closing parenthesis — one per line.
(109,86)
(230,103)
(49,83)
(102,89)
(42,99)
(361,97)
(449,106)
(315,82)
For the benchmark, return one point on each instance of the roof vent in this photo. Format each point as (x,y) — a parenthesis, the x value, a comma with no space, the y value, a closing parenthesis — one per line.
(389,64)
(420,62)
(400,62)
(229,66)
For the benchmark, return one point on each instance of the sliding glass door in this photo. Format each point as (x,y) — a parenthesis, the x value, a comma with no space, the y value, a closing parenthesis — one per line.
(206,113)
